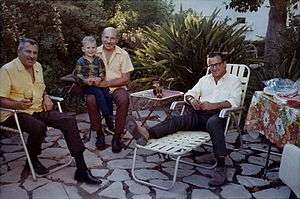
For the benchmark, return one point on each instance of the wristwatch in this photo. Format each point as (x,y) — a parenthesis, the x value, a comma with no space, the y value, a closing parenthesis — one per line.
(189,99)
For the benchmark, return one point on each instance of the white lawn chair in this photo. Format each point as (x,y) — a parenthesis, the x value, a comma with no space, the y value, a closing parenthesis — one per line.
(182,142)
(19,130)
(289,171)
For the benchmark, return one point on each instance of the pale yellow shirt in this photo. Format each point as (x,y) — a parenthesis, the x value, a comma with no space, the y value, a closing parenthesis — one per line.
(118,63)
(228,88)
(15,80)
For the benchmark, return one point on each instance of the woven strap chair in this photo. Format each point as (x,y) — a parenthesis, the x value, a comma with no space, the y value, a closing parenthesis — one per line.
(182,142)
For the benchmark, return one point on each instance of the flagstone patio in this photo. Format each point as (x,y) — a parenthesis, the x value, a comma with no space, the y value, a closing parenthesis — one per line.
(244,175)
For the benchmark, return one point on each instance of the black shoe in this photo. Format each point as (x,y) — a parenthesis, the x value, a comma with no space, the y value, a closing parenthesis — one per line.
(86,176)
(116,144)
(38,167)
(100,142)
(219,177)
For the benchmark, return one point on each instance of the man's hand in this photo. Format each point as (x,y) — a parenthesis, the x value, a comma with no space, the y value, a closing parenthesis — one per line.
(196,104)
(206,106)
(23,104)
(47,103)
(95,81)
(102,83)
(89,81)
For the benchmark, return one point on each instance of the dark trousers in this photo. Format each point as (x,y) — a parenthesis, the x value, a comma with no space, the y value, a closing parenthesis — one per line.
(36,126)
(121,99)
(196,120)
(103,99)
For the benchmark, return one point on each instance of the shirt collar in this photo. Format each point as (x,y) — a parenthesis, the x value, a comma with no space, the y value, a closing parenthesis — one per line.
(21,67)
(117,50)
(221,79)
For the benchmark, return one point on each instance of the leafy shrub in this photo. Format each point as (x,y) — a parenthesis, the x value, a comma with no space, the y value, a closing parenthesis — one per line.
(138,13)
(178,48)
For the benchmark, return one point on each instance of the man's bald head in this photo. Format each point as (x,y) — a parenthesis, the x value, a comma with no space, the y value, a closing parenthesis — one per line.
(109,38)
(110,30)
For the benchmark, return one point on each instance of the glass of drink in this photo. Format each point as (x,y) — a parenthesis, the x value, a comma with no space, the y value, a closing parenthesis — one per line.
(28,95)
(157,90)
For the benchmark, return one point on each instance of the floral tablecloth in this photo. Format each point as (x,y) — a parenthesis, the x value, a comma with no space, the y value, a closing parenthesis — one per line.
(279,123)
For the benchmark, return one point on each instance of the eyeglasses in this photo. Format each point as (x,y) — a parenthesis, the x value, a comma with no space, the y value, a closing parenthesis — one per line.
(212,66)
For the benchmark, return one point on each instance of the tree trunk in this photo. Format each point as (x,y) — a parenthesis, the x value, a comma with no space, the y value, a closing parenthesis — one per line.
(275,30)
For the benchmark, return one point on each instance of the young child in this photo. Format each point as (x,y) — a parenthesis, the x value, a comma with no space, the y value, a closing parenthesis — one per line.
(88,68)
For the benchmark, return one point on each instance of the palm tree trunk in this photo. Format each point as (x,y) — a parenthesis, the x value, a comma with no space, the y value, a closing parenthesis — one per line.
(274,35)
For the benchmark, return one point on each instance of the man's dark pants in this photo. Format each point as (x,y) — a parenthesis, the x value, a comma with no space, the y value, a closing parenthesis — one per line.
(36,126)
(121,99)
(103,99)
(196,120)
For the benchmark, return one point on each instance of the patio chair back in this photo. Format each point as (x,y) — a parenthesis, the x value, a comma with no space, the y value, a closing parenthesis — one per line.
(243,73)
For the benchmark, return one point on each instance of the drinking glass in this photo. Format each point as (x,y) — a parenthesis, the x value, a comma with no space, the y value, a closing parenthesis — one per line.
(28,95)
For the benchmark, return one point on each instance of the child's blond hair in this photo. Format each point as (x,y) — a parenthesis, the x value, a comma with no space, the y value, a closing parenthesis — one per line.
(88,39)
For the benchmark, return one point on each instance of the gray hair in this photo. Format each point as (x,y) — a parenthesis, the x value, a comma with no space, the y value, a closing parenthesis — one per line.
(110,29)
(88,39)
(25,40)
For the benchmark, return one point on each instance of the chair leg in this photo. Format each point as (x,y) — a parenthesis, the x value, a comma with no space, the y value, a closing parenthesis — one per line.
(196,164)
(267,160)
(151,184)
(58,168)
(90,134)
(25,147)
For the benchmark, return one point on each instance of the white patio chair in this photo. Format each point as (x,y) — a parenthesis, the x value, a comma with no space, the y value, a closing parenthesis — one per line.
(20,132)
(289,171)
(182,142)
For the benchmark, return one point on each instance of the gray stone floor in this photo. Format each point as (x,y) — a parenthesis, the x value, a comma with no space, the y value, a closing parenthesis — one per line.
(244,174)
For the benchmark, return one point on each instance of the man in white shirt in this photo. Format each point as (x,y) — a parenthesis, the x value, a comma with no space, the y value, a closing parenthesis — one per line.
(212,93)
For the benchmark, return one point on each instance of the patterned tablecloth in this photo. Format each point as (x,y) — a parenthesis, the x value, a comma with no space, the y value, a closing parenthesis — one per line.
(278,122)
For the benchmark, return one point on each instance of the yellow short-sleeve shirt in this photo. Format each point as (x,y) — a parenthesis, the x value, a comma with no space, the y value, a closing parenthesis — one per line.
(15,80)
(118,63)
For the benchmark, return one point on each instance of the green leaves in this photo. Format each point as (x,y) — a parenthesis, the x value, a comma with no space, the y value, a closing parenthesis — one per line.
(178,48)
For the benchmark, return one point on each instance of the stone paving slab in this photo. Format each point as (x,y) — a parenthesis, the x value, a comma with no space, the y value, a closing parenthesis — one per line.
(13,191)
(235,191)
(203,193)
(244,172)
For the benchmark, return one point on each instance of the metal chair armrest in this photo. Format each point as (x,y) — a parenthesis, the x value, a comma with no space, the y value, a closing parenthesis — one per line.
(174,104)
(57,99)
(226,111)
(9,110)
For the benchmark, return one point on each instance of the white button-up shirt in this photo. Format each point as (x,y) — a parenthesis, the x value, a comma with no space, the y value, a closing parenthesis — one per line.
(228,88)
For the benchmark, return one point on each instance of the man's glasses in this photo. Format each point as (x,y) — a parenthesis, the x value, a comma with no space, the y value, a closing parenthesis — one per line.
(212,66)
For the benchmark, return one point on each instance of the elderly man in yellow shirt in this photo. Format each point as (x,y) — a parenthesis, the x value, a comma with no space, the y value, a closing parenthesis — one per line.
(117,67)
(22,87)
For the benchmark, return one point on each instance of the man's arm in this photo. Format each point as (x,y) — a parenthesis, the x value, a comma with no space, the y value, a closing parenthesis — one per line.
(13,104)
(214,106)
(193,95)
(114,82)
(47,102)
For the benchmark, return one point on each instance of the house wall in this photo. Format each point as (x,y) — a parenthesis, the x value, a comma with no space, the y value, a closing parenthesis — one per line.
(257,21)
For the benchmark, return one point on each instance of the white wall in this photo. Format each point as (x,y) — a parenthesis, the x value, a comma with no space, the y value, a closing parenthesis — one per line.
(257,21)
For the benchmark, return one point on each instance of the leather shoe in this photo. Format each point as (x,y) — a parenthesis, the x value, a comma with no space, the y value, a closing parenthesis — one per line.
(100,142)
(116,144)
(86,176)
(219,177)
(38,167)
